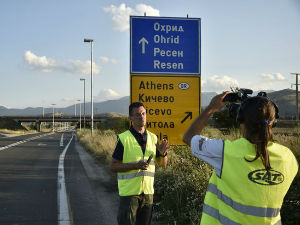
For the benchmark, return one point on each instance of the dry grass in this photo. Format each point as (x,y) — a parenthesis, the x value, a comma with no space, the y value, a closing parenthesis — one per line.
(6,131)
(101,145)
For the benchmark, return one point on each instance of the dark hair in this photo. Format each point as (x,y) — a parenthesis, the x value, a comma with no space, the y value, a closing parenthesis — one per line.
(258,118)
(135,105)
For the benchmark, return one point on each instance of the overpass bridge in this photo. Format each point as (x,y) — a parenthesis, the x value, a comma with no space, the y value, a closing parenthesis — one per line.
(40,119)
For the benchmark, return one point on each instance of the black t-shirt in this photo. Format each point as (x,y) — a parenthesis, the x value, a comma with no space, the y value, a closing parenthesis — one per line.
(140,138)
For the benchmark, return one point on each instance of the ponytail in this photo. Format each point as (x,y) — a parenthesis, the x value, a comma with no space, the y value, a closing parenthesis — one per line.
(258,124)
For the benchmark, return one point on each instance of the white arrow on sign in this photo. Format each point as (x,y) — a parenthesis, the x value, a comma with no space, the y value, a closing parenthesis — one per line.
(143,41)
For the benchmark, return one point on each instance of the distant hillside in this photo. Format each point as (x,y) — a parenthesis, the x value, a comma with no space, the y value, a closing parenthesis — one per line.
(285,99)
(206,97)
(118,106)
(286,102)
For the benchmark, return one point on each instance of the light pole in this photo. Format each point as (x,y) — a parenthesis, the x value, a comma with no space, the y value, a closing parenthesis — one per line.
(79,114)
(53,117)
(82,79)
(92,105)
(75,108)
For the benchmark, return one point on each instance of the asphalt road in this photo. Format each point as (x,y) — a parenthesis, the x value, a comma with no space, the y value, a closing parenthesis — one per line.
(29,182)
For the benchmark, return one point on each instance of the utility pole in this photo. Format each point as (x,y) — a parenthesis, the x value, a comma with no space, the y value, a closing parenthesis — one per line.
(297,97)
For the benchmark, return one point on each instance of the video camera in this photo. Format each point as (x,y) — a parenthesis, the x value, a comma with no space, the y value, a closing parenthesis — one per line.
(237,104)
(237,97)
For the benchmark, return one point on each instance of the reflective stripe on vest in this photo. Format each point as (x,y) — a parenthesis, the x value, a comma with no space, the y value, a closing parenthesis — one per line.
(223,219)
(215,213)
(246,209)
(134,175)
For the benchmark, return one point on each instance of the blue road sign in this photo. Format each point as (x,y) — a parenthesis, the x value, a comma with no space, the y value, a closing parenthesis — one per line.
(165,45)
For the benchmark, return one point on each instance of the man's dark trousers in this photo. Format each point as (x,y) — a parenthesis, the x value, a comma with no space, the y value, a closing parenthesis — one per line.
(135,210)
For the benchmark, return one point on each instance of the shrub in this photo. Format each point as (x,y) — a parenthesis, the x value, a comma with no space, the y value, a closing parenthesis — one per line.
(180,189)
(118,124)
(223,120)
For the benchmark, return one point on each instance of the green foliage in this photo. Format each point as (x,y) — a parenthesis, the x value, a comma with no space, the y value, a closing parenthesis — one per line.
(180,189)
(292,199)
(223,120)
(10,124)
(118,124)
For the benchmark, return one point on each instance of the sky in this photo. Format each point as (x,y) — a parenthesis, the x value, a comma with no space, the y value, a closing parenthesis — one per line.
(244,43)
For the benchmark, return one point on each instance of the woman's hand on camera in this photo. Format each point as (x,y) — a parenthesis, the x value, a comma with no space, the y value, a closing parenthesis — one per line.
(216,104)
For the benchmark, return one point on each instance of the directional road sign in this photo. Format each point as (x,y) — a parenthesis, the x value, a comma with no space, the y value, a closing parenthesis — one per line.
(163,45)
(172,103)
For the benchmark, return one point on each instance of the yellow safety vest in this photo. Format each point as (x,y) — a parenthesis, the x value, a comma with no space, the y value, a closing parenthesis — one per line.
(246,193)
(135,182)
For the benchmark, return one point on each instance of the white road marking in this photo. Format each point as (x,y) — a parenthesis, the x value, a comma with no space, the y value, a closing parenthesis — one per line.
(41,144)
(24,141)
(62,201)
(62,140)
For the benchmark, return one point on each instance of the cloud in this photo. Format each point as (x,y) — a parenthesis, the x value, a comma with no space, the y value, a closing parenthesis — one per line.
(142,8)
(107,94)
(68,100)
(44,64)
(105,59)
(40,62)
(120,15)
(219,83)
(273,77)
(103,95)
(268,81)
(83,67)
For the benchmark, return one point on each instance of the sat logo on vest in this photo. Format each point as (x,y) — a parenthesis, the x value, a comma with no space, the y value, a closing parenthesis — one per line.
(264,177)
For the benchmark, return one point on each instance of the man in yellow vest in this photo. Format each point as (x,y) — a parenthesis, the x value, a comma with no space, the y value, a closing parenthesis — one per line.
(251,174)
(133,160)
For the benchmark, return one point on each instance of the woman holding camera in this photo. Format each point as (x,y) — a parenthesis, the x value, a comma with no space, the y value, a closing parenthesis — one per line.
(251,174)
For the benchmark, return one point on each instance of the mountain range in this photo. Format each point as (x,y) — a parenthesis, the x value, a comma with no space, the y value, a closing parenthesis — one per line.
(285,100)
